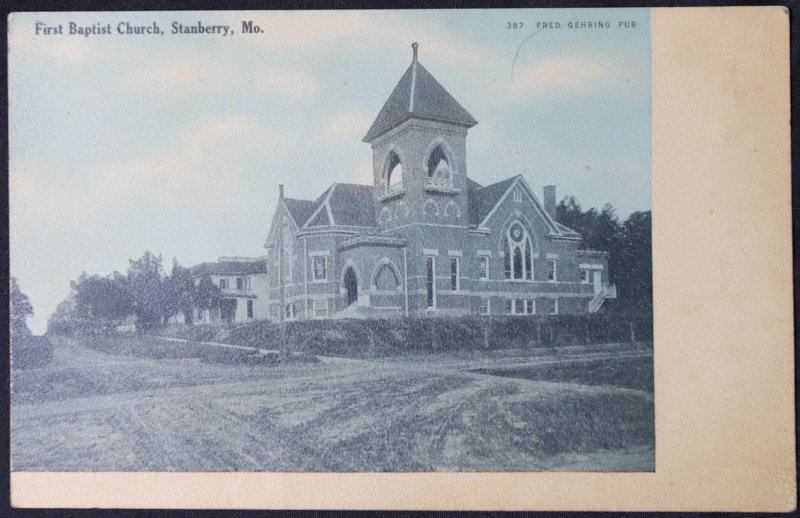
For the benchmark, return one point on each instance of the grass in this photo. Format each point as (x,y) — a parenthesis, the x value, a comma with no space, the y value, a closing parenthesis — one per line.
(140,403)
(153,347)
(632,373)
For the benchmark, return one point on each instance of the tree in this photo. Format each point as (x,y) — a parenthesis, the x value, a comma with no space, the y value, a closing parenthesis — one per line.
(21,309)
(634,257)
(102,298)
(181,291)
(147,289)
(208,295)
(569,213)
(629,247)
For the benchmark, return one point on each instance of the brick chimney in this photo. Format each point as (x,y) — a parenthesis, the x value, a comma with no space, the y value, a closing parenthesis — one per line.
(280,191)
(550,200)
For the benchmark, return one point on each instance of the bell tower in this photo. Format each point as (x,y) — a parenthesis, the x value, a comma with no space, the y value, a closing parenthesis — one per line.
(419,153)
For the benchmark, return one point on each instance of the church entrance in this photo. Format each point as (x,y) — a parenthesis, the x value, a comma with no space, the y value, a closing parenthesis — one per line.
(351,285)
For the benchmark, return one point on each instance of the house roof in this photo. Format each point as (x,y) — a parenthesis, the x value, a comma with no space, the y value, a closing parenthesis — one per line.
(418,94)
(472,184)
(345,204)
(230,268)
(483,199)
(353,205)
(348,204)
(566,230)
(299,209)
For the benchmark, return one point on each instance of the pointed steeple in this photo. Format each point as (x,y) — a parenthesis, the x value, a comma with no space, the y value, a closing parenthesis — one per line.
(418,94)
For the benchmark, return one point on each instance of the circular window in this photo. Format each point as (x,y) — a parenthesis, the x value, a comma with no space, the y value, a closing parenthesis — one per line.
(516,232)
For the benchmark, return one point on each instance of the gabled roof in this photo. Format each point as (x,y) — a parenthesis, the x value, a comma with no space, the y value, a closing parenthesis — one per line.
(320,220)
(344,204)
(418,94)
(353,205)
(300,210)
(483,199)
(566,230)
(472,184)
(230,268)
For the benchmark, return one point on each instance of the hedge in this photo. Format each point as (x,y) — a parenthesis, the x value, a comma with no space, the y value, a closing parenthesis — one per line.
(390,336)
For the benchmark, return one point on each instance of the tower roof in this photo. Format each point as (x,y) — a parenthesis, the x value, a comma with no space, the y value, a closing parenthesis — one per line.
(418,94)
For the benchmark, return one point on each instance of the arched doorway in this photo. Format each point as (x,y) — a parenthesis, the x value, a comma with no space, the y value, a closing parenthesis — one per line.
(351,285)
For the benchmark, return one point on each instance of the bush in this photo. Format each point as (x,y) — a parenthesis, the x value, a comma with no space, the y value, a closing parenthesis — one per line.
(392,336)
(30,352)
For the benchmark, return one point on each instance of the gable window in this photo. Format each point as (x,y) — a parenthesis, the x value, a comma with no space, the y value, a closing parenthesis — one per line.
(552,270)
(486,307)
(517,194)
(320,268)
(249,309)
(223,284)
(320,308)
(585,276)
(455,274)
(394,174)
(483,267)
(518,259)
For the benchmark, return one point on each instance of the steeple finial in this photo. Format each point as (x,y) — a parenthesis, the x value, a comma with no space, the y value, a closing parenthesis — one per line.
(415,46)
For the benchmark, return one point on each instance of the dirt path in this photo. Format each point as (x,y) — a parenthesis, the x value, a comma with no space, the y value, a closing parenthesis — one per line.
(94,411)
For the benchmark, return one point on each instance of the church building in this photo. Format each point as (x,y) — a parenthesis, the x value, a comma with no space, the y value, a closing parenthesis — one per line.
(424,239)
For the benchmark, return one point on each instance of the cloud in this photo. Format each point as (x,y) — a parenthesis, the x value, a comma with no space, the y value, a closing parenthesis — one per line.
(364,174)
(350,127)
(294,84)
(576,75)
(171,77)
(204,165)
(561,73)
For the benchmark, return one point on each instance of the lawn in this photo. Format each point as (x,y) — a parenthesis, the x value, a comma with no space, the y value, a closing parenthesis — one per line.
(133,403)
(634,373)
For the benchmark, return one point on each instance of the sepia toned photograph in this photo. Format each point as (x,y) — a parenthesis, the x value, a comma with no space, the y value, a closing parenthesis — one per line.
(352,241)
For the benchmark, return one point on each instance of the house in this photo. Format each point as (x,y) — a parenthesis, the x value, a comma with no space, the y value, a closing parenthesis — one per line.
(425,239)
(243,285)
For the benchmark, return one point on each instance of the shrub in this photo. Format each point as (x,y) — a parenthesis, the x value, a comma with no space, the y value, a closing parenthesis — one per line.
(356,338)
(30,352)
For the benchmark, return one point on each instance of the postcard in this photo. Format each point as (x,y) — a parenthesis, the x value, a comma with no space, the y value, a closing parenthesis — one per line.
(402,259)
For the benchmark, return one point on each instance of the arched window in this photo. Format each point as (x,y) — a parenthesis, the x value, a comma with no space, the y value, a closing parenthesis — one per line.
(439,168)
(394,173)
(385,278)
(518,250)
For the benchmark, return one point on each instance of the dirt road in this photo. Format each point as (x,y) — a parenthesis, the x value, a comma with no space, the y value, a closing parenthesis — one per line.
(94,411)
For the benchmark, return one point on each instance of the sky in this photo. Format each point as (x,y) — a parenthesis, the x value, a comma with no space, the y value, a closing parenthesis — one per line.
(176,143)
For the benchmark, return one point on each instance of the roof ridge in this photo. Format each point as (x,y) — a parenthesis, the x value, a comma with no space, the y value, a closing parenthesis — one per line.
(327,203)
(356,184)
(427,100)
